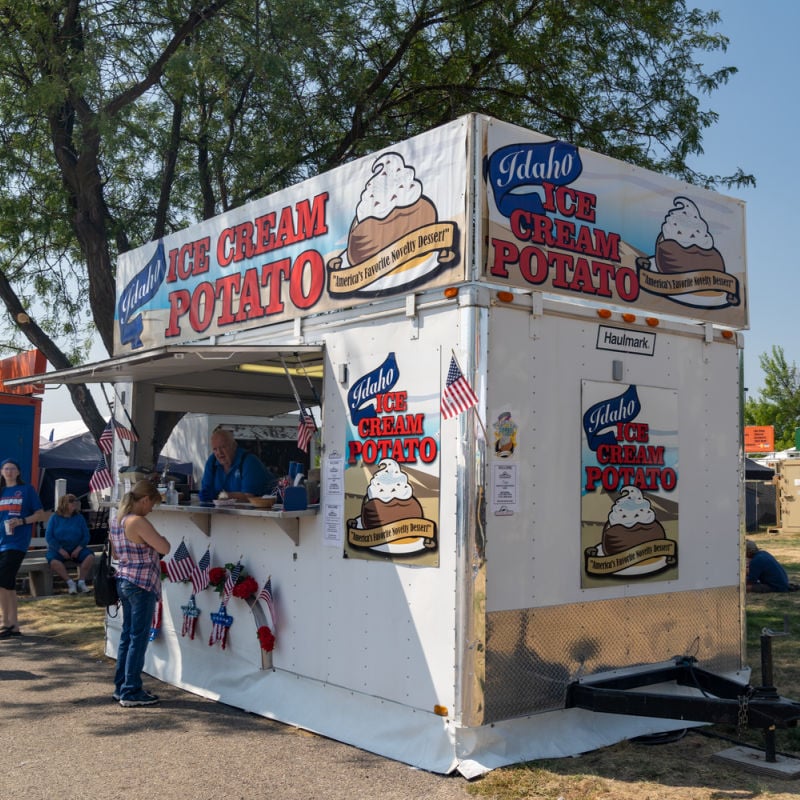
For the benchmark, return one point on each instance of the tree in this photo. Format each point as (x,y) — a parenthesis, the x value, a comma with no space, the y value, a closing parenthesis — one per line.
(779,402)
(123,121)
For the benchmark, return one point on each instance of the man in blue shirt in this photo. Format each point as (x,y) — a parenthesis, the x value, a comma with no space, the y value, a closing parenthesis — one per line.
(764,573)
(232,469)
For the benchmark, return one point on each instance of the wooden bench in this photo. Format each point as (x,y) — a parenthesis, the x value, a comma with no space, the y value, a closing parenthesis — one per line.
(35,568)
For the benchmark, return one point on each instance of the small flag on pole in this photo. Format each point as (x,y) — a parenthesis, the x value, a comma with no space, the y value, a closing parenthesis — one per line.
(305,430)
(230,582)
(101,478)
(181,566)
(266,595)
(106,440)
(201,572)
(458,395)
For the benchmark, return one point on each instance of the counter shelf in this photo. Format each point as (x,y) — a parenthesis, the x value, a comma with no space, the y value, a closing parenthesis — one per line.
(287,521)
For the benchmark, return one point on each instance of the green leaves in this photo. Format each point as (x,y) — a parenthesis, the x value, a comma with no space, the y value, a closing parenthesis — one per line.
(779,403)
(122,121)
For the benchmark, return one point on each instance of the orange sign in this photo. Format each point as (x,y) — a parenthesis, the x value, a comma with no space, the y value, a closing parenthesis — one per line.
(759,438)
(23,365)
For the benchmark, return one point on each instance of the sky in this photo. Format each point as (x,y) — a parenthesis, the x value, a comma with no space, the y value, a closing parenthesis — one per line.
(759,116)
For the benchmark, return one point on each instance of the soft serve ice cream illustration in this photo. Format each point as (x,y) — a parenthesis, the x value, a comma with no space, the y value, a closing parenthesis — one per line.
(686,267)
(685,243)
(389,497)
(392,519)
(391,205)
(631,522)
(395,239)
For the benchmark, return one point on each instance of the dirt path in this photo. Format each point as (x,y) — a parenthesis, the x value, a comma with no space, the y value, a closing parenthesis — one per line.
(65,738)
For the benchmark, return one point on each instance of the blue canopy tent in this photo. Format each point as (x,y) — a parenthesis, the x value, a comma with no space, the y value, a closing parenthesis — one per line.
(74,459)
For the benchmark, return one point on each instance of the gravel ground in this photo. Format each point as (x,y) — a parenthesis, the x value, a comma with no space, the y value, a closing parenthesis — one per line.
(64,737)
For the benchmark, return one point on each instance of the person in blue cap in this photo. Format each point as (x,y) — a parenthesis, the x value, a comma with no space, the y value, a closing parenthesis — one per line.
(233,470)
(20,509)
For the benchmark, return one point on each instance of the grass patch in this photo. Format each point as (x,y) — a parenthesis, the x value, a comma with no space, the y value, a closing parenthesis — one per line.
(73,620)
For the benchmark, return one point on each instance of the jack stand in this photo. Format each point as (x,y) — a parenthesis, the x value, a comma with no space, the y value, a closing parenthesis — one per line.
(766,762)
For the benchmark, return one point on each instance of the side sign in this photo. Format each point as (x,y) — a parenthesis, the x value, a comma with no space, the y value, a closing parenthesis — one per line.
(629,484)
(575,223)
(391,467)
(379,226)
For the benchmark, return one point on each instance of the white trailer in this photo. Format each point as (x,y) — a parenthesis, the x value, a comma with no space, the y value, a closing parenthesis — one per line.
(469,572)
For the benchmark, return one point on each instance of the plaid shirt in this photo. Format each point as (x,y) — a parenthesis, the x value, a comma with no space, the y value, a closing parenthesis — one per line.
(138,563)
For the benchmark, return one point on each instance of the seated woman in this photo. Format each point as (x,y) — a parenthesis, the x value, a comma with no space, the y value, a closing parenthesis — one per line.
(67,538)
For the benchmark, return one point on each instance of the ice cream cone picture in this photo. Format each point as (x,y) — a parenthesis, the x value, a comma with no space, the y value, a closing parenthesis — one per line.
(396,239)
(634,541)
(686,267)
(391,519)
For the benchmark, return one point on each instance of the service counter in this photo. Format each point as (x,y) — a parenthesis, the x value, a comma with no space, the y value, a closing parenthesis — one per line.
(208,517)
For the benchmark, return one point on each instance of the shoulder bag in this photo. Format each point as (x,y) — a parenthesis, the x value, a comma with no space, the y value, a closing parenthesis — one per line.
(105,580)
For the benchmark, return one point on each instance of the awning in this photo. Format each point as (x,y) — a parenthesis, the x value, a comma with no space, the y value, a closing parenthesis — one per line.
(238,379)
(753,471)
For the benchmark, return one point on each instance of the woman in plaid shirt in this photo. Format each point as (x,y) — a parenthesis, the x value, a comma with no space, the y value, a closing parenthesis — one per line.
(138,547)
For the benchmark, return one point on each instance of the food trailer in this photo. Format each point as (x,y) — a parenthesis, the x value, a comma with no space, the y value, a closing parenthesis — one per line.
(522,364)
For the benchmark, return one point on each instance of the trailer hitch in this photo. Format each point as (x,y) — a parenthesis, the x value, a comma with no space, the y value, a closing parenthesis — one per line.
(721,700)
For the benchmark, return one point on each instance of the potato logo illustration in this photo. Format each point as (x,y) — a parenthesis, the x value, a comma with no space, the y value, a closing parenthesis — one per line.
(396,240)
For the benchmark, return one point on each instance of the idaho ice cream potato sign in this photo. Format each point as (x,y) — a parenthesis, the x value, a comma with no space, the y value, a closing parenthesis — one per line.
(379,226)
(575,223)
(392,466)
(629,484)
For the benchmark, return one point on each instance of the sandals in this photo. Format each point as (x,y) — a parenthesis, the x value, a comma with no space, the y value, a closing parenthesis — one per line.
(8,632)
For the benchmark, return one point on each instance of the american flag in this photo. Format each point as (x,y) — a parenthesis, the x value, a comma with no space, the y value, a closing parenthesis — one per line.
(106,440)
(306,429)
(181,566)
(200,573)
(266,595)
(101,478)
(230,582)
(457,395)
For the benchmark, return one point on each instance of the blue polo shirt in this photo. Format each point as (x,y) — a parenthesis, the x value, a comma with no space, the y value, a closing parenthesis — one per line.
(247,474)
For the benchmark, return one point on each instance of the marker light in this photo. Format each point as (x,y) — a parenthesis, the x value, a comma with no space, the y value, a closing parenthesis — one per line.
(629,317)
(451,291)
(505,297)
(651,321)
(440,710)
(603,312)
(727,334)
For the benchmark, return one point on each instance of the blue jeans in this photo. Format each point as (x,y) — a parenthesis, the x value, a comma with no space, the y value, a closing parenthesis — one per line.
(138,606)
